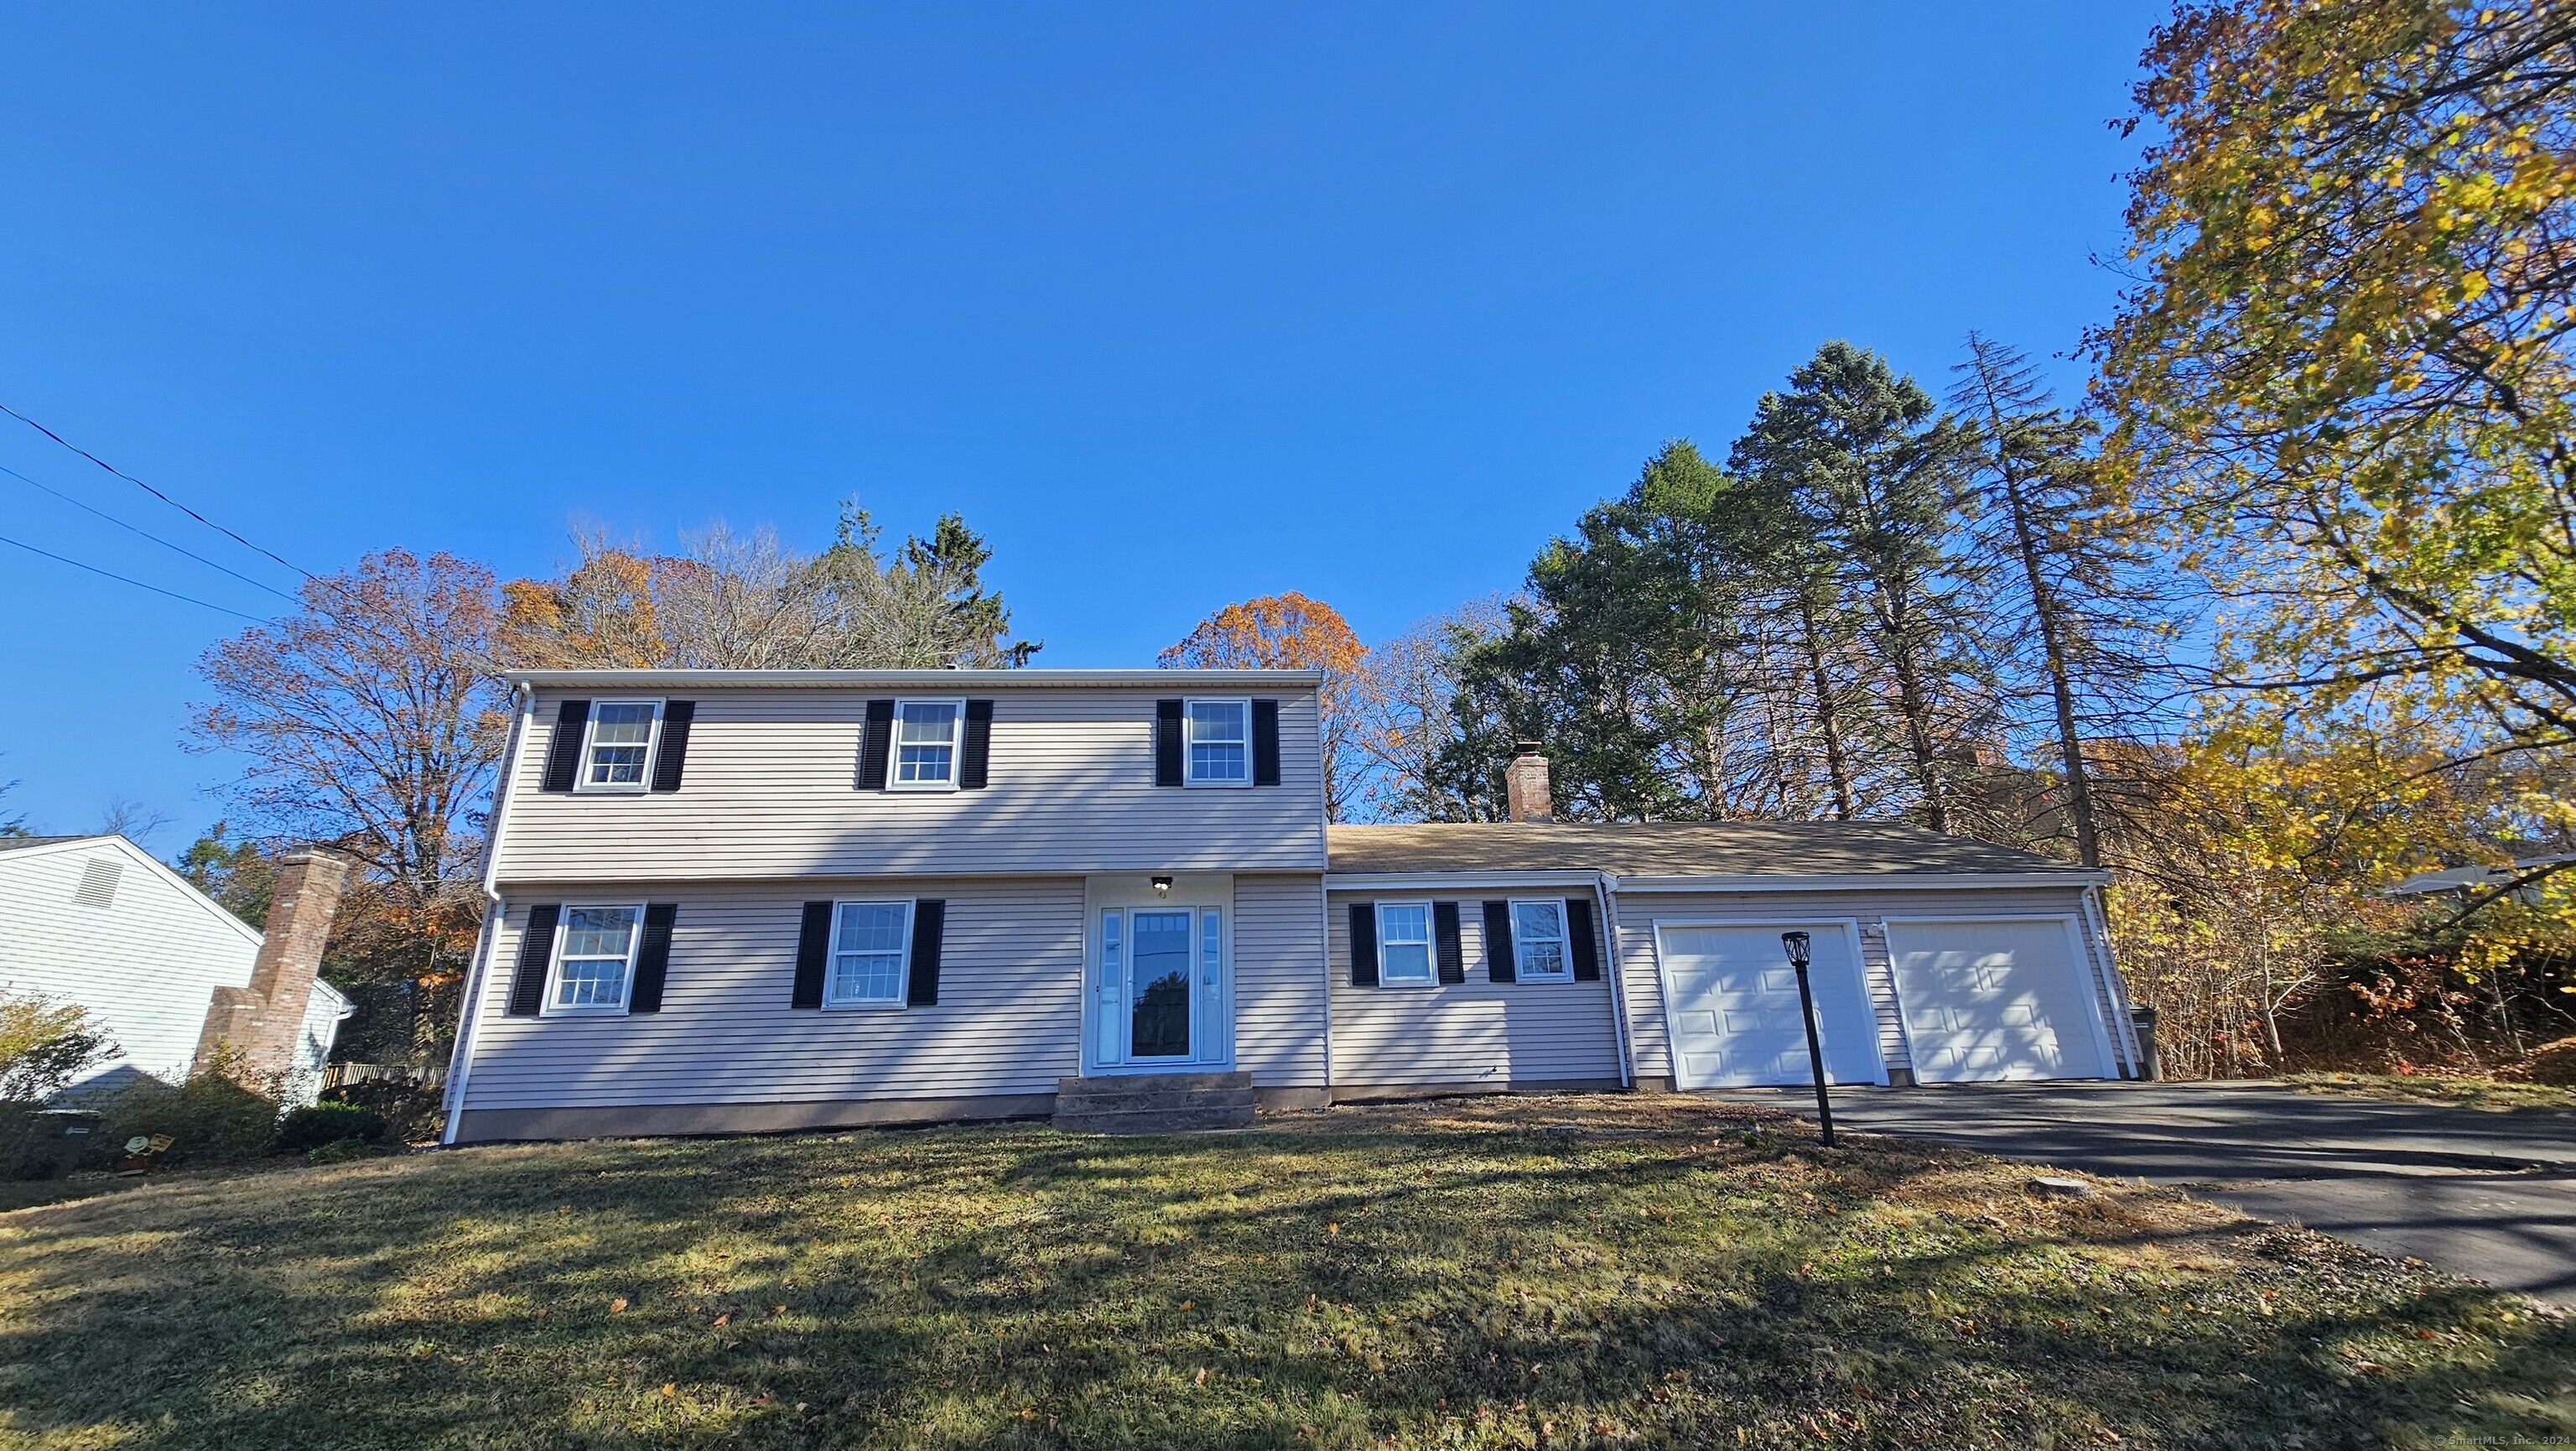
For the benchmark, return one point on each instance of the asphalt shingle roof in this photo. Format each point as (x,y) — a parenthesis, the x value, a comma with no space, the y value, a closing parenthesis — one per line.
(1652,849)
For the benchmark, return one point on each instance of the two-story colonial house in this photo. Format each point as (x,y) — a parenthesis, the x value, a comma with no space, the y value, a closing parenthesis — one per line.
(728,901)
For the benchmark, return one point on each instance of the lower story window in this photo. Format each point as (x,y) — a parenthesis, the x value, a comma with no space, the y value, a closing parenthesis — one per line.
(1538,941)
(871,950)
(1404,942)
(596,961)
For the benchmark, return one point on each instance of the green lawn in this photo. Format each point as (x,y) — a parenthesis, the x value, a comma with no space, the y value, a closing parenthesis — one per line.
(2487,1093)
(1612,1271)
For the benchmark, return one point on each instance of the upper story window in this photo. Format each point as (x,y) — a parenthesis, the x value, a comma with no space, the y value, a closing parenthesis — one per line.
(1219,743)
(618,754)
(871,954)
(1404,952)
(595,959)
(925,744)
(1538,942)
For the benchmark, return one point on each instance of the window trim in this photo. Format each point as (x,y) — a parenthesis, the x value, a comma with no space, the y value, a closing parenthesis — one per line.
(1189,739)
(1430,942)
(956,745)
(548,1007)
(832,958)
(1521,970)
(581,782)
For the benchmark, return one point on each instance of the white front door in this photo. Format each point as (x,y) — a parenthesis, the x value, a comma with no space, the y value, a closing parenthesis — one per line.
(1160,989)
(2003,998)
(1732,1005)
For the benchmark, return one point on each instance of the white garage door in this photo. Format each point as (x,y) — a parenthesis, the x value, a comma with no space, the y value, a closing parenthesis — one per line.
(1733,1008)
(1995,1000)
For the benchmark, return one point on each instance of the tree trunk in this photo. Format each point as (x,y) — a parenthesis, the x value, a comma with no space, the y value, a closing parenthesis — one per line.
(1835,770)
(2049,611)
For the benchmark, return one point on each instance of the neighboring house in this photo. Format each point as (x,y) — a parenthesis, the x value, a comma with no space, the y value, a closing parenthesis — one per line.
(2465,882)
(745,900)
(98,921)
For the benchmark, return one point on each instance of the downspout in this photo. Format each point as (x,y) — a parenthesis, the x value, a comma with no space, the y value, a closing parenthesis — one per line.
(1324,907)
(1609,888)
(460,1058)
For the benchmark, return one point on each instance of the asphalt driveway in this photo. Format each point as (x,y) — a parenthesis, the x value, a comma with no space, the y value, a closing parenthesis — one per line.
(2482,1194)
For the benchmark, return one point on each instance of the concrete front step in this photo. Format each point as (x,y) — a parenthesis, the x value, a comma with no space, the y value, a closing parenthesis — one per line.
(1150,1103)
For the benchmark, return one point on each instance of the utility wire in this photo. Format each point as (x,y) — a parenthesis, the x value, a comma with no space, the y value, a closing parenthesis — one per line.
(138,584)
(147,488)
(148,534)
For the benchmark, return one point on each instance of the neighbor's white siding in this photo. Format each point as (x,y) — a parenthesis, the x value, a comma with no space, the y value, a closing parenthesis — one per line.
(1475,1033)
(1643,984)
(147,964)
(771,791)
(1008,1019)
(1279,980)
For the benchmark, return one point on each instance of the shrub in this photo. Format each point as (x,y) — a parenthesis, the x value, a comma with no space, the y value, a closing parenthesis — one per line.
(211,1119)
(341,1151)
(45,1044)
(412,1110)
(304,1130)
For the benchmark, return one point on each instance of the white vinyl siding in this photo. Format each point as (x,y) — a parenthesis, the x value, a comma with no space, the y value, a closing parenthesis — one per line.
(1472,1034)
(1006,1022)
(1634,953)
(1279,980)
(772,793)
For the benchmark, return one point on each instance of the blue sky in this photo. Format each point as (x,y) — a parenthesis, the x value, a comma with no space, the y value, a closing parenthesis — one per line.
(1178,305)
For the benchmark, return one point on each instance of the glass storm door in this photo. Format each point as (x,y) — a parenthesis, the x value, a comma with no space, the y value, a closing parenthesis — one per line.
(1160,989)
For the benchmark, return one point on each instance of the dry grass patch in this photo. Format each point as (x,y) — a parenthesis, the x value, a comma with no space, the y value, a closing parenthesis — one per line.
(1561,1272)
(2502,1095)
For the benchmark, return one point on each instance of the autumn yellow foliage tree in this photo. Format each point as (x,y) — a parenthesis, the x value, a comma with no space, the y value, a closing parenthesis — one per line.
(1292,632)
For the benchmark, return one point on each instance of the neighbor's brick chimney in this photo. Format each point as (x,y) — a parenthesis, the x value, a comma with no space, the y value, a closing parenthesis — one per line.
(1525,785)
(261,1022)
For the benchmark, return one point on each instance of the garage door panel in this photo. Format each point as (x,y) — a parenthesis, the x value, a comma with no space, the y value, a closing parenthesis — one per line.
(1995,999)
(1734,1010)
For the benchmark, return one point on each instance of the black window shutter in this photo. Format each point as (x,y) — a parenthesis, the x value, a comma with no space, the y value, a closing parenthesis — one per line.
(1265,743)
(1363,944)
(976,759)
(673,752)
(874,743)
(1167,743)
(1578,939)
(813,944)
(1444,931)
(1500,964)
(563,752)
(653,957)
(929,921)
(536,953)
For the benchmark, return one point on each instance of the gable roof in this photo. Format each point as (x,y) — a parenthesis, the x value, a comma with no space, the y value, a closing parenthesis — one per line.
(35,845)
(1682,849)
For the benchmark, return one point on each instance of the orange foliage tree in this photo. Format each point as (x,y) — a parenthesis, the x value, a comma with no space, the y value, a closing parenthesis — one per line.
(1291,632)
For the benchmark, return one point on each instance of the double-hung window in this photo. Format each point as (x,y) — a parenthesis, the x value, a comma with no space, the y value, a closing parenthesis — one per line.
(618,755)
(871,954)
(1404,954)
(595,959)
(1538,942)
(925,744)
(1219,744)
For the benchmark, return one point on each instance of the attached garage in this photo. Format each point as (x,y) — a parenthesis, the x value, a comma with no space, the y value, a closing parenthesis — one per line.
(1996,998)
(1733,1004)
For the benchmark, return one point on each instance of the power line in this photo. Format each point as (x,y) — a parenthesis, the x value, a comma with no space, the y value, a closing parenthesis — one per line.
(148,534)
(138,584)
(147,488)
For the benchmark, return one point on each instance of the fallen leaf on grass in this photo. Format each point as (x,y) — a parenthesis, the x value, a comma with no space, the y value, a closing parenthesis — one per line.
(617,1306)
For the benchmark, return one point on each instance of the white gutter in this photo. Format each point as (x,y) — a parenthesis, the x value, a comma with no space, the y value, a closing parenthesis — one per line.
(1862,881)
(460,1058)
(1178,681)
(1429,881)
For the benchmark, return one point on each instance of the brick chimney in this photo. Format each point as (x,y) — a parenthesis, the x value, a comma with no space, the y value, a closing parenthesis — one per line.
(1525,785)
(261,1022)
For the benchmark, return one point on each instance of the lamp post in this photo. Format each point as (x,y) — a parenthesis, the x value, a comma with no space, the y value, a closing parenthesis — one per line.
(1798,947)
